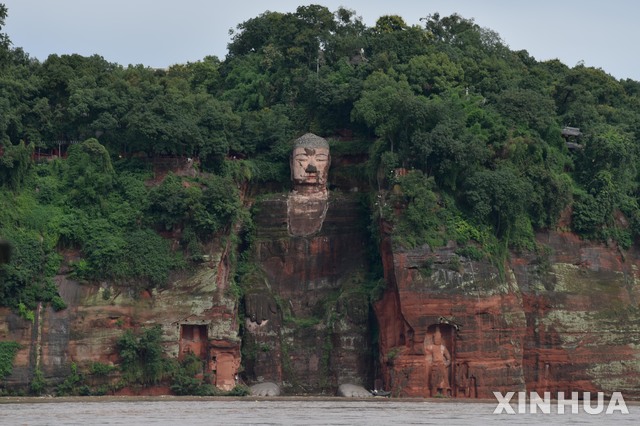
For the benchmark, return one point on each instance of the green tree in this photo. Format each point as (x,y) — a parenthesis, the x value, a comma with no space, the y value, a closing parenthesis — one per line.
(391,42)
(419,222)
(89,175)
(218,207)
(433,73)
(610,149)
(8,351)
(348,40)
(169,202)
(141,356)
(497,197)
(5,43)
(389,108)
(527,109)
(28,278)
(593,211)
(449,145)
(15,163)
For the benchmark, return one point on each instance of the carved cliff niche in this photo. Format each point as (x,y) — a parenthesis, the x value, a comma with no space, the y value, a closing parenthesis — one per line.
(439,352)
(194,339)
(446,375)
(310,257)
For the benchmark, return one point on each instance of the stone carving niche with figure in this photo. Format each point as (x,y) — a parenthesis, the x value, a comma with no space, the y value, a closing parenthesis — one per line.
(309,250)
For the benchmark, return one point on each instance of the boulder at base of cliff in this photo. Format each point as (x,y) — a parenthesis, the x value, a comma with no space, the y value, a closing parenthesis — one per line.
(265,389)
(353,391)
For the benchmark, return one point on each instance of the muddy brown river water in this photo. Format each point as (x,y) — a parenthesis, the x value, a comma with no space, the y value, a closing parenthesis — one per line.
(281,411)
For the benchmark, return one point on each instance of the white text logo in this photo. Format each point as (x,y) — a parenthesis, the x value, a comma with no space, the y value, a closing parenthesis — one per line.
(543,405)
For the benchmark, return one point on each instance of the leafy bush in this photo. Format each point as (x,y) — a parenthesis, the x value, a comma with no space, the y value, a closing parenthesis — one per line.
(239,390)
(101,370)
(471,252)
(141,356)
(15,164)
(169,202)
(89,176)
(8,351)
(419,222)
(148,256)
(184,380)
(38,384)
(27,279)
(497,197)
(73,384)
(207,210)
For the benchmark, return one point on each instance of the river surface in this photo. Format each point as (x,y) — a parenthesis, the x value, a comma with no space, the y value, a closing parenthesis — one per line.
(251,411)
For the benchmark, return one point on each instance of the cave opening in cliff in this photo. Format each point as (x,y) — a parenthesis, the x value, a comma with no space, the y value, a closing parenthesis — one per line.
(194,339)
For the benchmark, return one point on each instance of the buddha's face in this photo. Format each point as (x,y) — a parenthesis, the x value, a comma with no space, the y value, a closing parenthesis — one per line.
(310,166)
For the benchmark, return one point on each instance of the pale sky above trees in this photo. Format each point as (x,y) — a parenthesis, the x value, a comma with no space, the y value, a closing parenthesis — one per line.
(159,33)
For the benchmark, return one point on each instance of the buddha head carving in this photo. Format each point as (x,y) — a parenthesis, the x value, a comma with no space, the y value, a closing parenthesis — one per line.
(310,162)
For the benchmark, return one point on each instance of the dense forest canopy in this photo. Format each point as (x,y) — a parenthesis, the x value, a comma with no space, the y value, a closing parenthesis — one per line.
(462,133)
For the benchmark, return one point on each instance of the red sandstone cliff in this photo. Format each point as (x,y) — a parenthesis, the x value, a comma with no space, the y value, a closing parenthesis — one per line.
(567,321)
(197,313)
(306,319)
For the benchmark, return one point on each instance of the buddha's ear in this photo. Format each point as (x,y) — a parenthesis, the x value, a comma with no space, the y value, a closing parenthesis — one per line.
(291,166)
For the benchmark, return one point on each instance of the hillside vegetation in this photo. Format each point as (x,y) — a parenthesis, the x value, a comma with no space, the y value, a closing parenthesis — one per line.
(462,135)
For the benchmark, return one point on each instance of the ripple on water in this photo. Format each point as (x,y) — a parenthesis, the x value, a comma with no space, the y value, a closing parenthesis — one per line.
(300,412)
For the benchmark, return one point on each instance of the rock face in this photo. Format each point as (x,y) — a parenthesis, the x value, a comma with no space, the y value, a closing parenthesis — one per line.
(565,321)
(479,315)
(306,319)
(583,317)
(197,314)
(306,314)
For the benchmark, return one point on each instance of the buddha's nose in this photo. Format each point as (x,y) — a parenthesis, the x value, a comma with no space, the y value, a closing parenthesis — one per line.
(311,168)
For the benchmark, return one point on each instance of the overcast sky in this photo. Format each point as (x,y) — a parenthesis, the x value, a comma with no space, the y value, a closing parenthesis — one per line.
(159,33)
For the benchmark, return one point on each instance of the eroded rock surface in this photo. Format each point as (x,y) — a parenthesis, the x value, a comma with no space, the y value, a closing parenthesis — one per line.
(195,312)
(565,321)
(306,318)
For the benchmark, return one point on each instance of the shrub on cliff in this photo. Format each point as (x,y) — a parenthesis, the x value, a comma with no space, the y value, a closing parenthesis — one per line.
(15,164)
(73,384)
(187,378)
(141,357)
(8,351)
(89,176)
(28,278)
(419,221)
(206,206)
